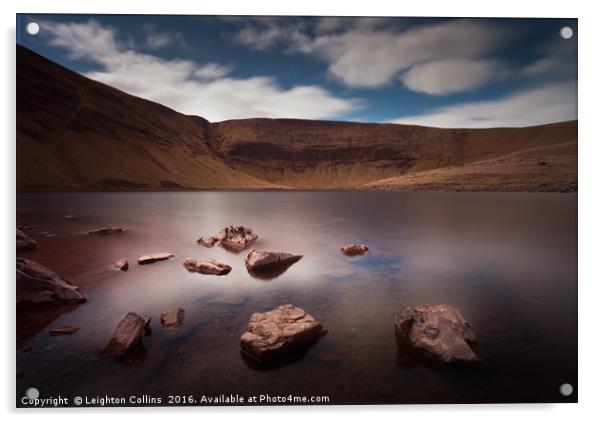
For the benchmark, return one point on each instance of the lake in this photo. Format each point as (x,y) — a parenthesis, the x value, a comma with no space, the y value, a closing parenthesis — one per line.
(508,261)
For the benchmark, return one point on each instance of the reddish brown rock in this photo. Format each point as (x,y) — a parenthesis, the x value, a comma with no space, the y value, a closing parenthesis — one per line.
(236,238)
(173,318)
(206,266)
(354,249)
(261,261)
(127,336)
(208,242)
(106,230)
(63,331)
(37,285)
(283,331)
(439,332)
(121,265)
(24,242)
(155,257)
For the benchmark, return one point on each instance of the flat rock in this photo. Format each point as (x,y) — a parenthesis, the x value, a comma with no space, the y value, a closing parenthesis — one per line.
(354,249)
(206,266)
(106,230)
(122,264)
(261,261)
(283,331)
(155,257)
(172,318)
(63,331)
(38,285)
(439,332)
(236,238)
(24,242)
(126,337)
(208,242)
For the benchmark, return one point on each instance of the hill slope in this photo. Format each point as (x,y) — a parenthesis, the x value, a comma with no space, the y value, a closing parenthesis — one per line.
(74,133)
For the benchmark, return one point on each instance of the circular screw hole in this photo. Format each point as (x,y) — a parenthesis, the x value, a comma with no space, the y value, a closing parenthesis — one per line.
(566,32)
(32,393)
(32,28)
(566,389)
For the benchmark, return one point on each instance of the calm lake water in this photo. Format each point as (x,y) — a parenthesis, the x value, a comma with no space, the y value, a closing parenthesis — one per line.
(508,261)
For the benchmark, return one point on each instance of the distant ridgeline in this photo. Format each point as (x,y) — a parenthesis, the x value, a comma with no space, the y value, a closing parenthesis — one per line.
(77,134)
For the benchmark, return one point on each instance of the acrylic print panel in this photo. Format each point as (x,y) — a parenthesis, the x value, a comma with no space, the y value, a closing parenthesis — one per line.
(295,210)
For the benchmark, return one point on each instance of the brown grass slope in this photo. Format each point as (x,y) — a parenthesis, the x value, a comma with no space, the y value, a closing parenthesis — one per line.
(74,133)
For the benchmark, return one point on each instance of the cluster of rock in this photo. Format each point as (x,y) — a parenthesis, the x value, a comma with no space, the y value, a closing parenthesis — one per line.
(234,238)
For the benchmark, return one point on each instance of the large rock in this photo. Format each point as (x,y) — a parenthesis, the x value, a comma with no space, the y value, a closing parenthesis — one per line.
(155,257)
(173,318)
(286,330)
(37,285)
(206,266)
(236,238)
(354,249)
(440,332)
(264,261)
(106,230)
(24,242)
(127,336)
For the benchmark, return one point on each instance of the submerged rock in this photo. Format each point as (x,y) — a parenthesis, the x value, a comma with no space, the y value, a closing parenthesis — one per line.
(63,331)
(106,230)
(154,257)
(206,266)
(236,238)
(122,264)
(147,328)
(283,331)
(24,242)
(354,249)
(263,261)
(208,242)
(38,285)
(127,336)
(440,332)
(173,318)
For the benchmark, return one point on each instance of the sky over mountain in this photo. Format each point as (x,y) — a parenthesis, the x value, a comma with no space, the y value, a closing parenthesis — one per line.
(435,72)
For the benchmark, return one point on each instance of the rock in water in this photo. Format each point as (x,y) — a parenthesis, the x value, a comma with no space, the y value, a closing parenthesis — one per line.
(24,242)
(154,257)
(147,328)
(37,285)
(260,261)
(208,242)
(354,249)
(236,238)
(283,331)
(106,230)
(63,331)
(122,264)
(438,331)
(172,318)
(126,337)
(206,266)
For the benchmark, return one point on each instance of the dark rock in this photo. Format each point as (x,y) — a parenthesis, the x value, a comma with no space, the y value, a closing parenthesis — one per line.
(37,285)
(63,331)
(207,266)
(264,261)
(157,256)
(354,249)
(281,332)
(127,336)
(172,318)
(440,332)
(122,264)
(208,242)
(236,238)
(106,230)
(147,327)
(24,242)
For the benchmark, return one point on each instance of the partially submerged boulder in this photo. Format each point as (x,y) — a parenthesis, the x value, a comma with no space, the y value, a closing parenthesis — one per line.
(439,332)
(24,242)
(173,318)
(121,265)
(38,285)
(63,331)
(206,266)
(284,331)
(106,230)
(127,336)
(208,242)
(236,238)
(155,257)
(265,261)
(354,249)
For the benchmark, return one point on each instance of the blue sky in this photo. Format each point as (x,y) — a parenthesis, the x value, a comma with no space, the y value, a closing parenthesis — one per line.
(435,72)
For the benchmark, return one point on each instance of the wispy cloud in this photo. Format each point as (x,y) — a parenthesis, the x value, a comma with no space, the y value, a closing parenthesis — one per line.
(156,39)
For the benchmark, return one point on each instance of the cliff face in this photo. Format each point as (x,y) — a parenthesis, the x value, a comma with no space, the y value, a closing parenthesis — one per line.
(74,133)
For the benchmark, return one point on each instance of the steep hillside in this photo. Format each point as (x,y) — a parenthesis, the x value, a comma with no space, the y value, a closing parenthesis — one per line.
(74,133)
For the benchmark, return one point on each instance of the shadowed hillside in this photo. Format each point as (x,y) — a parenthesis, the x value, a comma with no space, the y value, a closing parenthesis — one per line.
(74,133)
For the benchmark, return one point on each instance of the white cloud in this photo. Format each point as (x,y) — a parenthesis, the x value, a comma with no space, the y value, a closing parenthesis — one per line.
(156,39)
(187,86)
(548,103)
